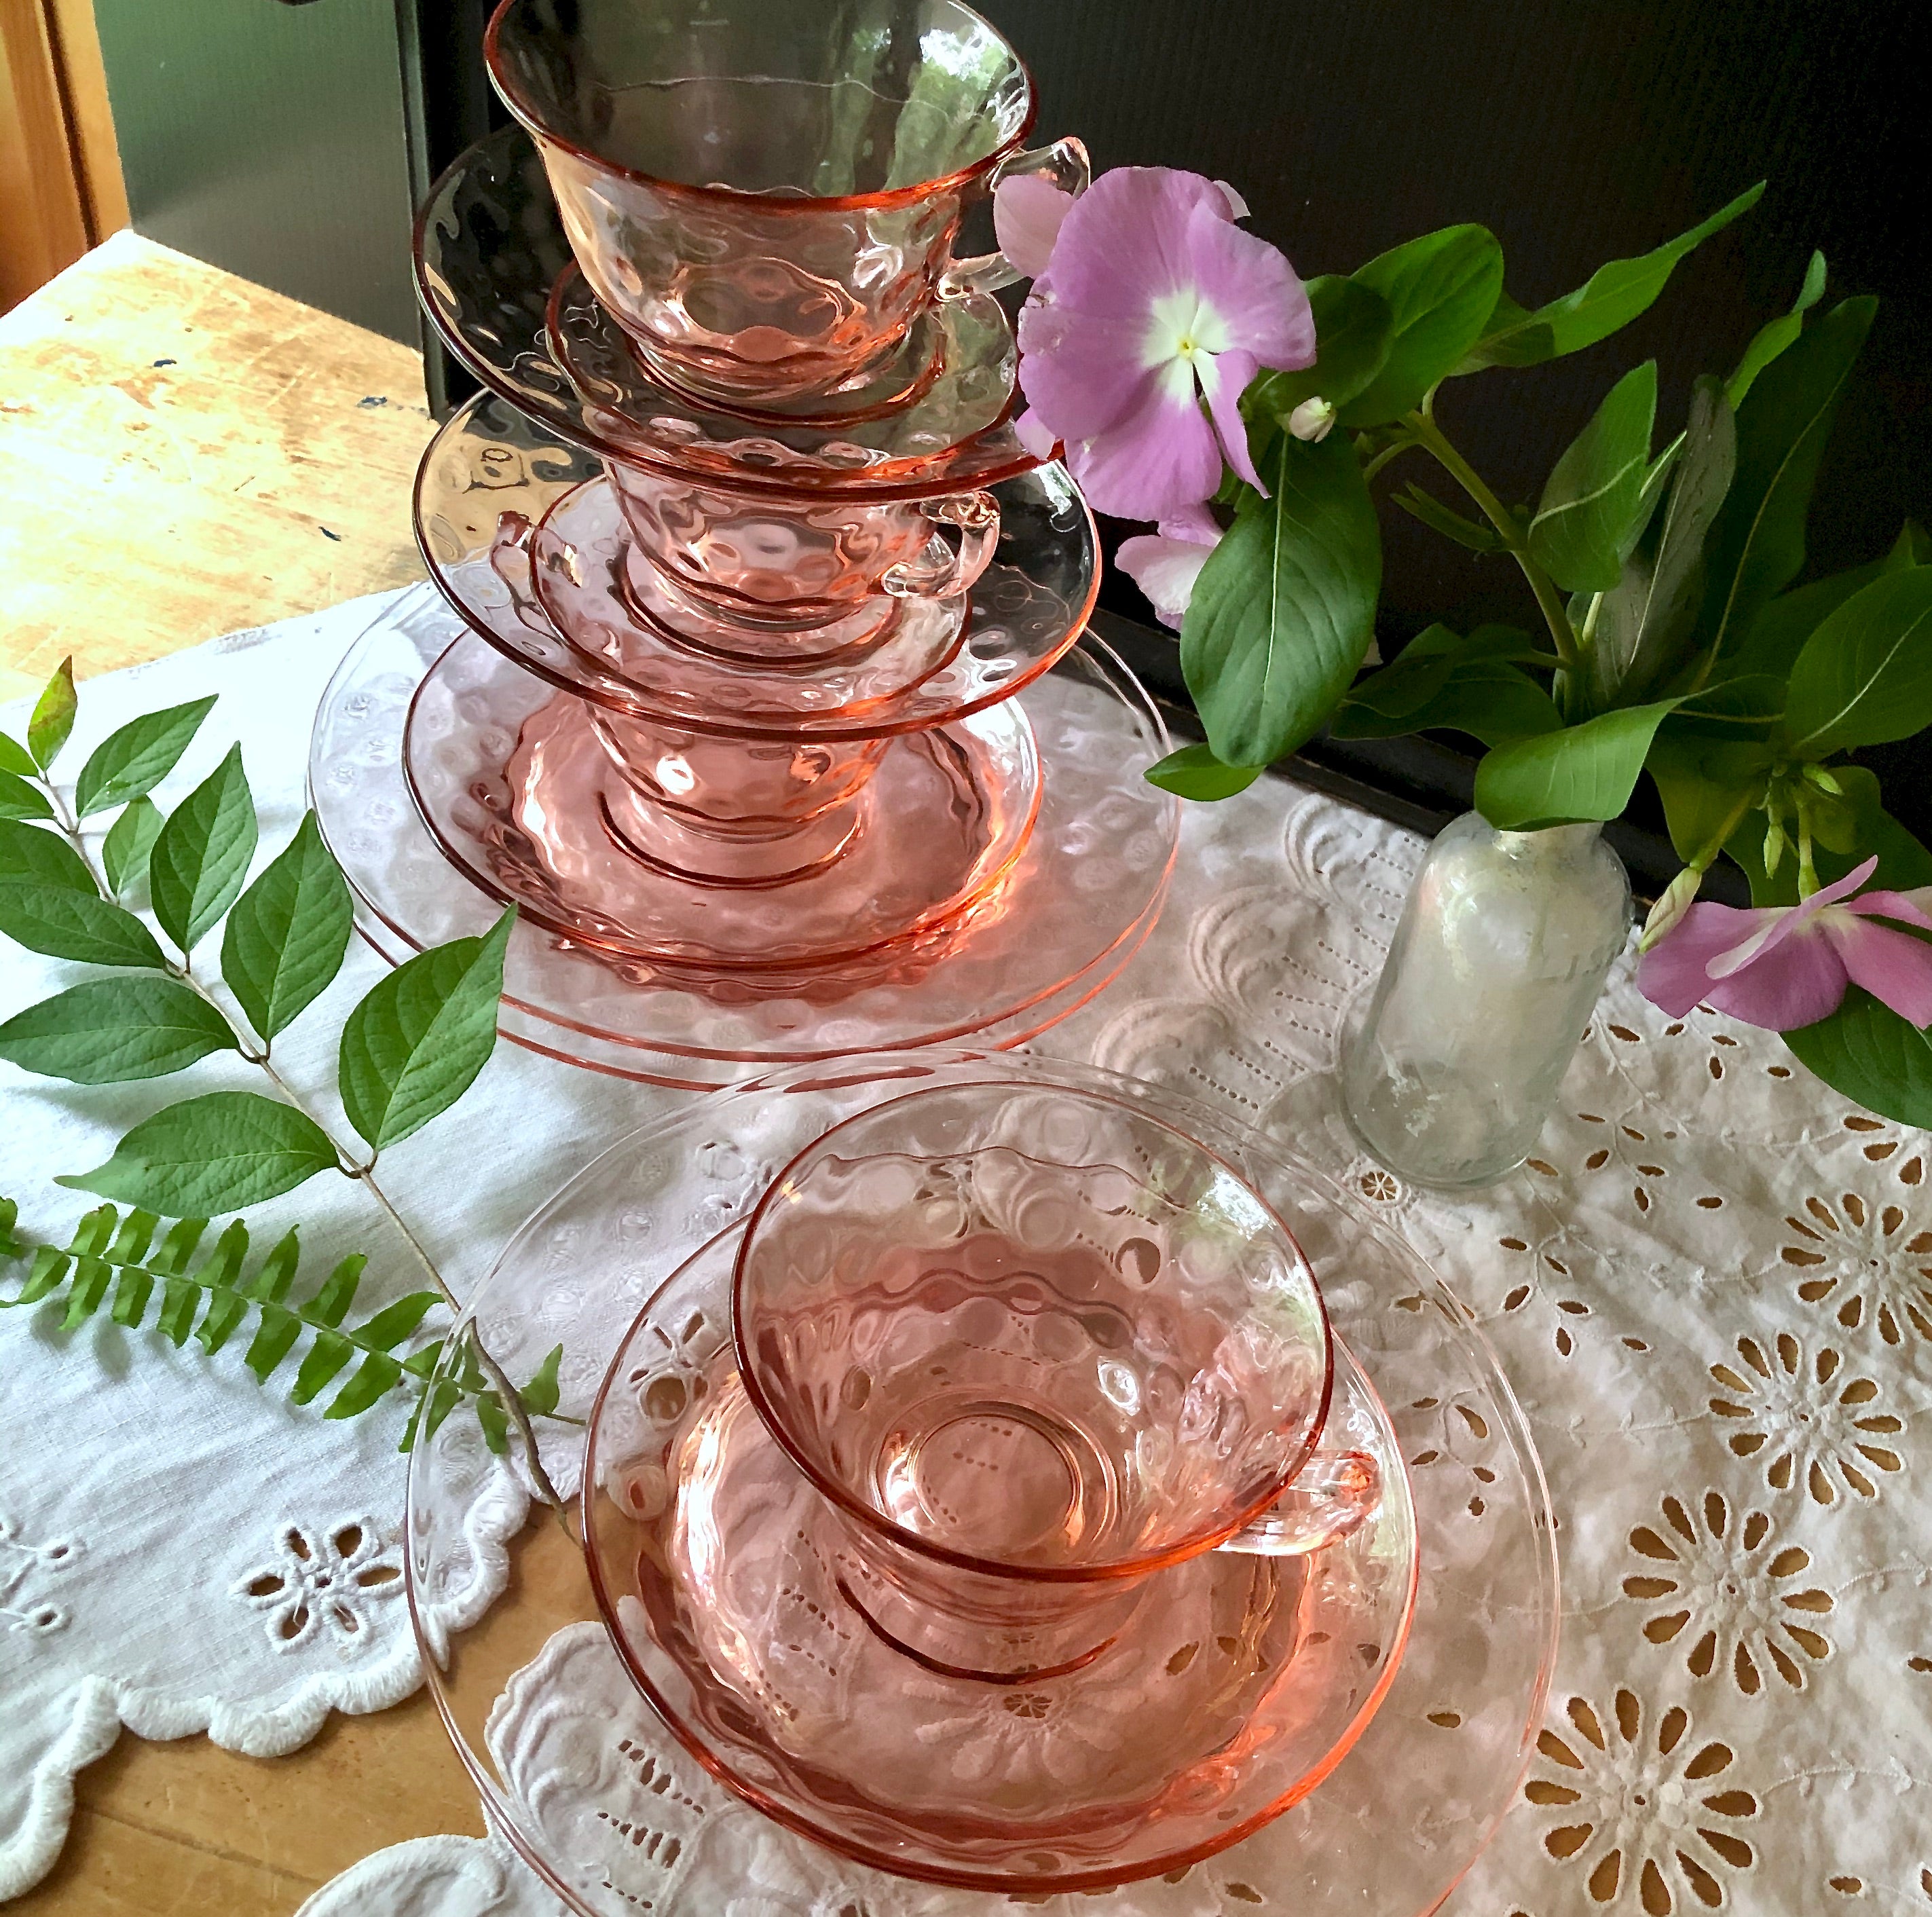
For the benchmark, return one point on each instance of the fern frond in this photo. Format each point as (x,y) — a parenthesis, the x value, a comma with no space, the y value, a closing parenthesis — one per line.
(112,1259)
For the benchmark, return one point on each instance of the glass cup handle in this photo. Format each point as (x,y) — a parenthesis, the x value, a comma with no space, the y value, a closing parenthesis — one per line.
(1337,1492)
(1064,164)
(943,569)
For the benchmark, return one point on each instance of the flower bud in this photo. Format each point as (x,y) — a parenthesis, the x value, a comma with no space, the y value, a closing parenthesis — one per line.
(1676,900)
(1312,419)
(1824,780)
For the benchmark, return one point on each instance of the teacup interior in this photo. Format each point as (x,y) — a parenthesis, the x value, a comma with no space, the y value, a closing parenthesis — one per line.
(1032,1329)
(815,98)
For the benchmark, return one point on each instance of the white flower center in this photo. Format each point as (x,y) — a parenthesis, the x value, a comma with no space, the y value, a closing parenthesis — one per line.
(1183,334)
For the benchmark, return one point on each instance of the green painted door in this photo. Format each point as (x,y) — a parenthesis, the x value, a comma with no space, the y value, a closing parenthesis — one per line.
(268,138)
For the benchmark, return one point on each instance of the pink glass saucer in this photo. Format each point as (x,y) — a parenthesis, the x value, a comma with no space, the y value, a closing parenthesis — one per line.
(489,250)
(1072,909)
(590,1787)
(931,410)
(490,466)
(552,825)
(1235,1685)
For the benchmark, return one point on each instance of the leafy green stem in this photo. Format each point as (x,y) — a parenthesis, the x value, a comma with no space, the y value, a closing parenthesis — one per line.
(513,1403)
(347,1163)
(1426,434)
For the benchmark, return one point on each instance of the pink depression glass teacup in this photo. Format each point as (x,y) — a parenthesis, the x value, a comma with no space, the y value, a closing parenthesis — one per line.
(1035,1347)
(800,562)
(765,194)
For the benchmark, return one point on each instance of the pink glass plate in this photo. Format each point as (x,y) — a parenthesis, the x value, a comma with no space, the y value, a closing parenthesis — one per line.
(489,463)
(516,787)
(1238,1683)
(1074,908)
(489,250)
(588,1785)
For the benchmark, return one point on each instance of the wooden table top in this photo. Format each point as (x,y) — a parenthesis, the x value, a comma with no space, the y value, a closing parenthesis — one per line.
(183,455)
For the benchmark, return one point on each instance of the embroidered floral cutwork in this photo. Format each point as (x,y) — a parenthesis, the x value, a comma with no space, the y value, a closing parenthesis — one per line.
(1868,1261)
(1642,1808)
(1805,1419)
(322,1581)
(1718,1585)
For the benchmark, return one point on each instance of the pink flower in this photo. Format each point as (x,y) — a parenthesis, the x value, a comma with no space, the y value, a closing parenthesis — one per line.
(1787,966)
(1152,300)
(1166,565)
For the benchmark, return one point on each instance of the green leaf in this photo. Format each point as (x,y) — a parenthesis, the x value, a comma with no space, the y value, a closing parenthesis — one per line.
(1756,543)
(1284,610)
(377,1373)
(1865,676)
(52,721)
(112,1030)
(66,924)
(1772,339)
(131,1294)
(14,757)
(496,1422)
(91,1278)
(1424,506)
(1701,781)
(1913,547)
(270,1285)
(394,1323)
(1778,633)
(1612,296)
(19,800)
(330,1306)
(1577,534)
(1866,1051)
(201,855)
(286,939)
(222,1152)
(137,757)
(124,852)
(274,1338)
(29,854)
(1647,618)
(222,1319)
(1194,772)
(1440,291)
(1490,699)
(540,1394)
(1442,681)
(1582,773)
(326,1357)
(416,1044)
(1352,326)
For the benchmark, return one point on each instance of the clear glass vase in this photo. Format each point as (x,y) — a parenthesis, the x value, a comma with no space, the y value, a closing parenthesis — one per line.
(1498,961)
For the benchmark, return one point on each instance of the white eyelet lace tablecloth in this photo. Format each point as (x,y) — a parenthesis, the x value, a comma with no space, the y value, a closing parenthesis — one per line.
(1711,1287)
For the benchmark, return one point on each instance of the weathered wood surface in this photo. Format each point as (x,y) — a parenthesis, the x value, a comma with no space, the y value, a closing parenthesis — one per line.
(182,454)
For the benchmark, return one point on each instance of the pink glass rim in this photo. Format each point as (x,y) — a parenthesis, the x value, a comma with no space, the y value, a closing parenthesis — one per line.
(875,1520)
(530,118)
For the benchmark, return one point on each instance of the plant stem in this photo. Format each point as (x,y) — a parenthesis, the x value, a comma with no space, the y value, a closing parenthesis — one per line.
(1428,434)
(345,1163)
(1382,458)
(1807,873)
(513,1405)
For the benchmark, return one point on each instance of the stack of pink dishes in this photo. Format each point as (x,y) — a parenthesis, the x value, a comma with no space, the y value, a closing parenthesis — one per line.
(765,699)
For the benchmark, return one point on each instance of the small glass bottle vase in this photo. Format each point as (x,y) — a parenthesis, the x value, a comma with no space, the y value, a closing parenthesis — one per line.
(1498,961)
